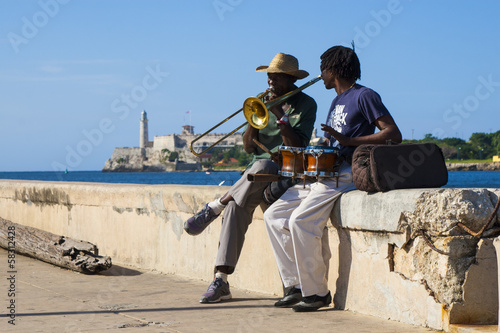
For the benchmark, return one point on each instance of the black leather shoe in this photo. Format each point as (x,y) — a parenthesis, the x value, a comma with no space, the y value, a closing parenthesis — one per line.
(291,297)
(313,303)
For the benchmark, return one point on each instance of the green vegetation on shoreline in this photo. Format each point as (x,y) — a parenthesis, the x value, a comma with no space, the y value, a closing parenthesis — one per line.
(480,148)
(469,161)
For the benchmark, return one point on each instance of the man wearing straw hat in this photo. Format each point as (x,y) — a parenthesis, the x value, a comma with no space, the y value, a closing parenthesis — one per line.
(290,124)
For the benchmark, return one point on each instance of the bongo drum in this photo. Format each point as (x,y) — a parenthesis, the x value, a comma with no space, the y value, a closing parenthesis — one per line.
(321,161)
(291,161)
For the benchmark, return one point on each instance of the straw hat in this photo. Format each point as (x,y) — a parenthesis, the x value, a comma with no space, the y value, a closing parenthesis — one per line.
(284,63)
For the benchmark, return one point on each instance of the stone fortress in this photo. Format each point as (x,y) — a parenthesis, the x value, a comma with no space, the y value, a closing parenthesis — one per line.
(166,153)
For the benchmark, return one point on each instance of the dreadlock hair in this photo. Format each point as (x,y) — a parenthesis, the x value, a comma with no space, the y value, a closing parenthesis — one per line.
(342,62)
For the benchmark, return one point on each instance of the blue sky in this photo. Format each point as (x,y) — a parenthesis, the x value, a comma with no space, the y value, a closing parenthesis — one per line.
(75,75)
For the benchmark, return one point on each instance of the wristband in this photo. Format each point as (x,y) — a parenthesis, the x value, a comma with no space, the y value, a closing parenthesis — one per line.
(283,120)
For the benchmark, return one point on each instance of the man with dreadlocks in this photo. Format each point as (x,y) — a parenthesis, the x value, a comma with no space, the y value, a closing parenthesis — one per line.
(296,222)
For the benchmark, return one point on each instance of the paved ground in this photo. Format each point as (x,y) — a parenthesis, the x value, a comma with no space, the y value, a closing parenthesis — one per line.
(52,299)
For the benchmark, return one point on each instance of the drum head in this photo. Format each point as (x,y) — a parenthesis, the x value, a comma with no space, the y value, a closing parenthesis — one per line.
(295,150)
(321,149)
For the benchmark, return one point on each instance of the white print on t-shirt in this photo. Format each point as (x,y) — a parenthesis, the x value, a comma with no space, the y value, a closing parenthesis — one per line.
(338,118)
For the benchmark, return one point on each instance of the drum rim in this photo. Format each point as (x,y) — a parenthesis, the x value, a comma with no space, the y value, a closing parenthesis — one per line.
(287,148)
(291,174)
(327,150)
(321,173)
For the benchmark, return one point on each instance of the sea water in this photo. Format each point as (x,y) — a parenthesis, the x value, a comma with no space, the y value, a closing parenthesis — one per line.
(456,179)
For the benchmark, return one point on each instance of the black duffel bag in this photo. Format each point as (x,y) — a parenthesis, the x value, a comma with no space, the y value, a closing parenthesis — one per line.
(380,168)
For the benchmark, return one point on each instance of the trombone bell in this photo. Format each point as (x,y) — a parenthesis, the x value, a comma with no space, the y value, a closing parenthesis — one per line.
(255,112)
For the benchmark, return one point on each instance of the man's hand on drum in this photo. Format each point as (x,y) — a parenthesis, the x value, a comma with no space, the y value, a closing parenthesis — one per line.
(275,157)
(342,139)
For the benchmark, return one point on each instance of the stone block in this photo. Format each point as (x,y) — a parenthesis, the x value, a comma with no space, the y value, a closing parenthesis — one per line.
(438,212)
(360,210)
(443,275)
(480,289)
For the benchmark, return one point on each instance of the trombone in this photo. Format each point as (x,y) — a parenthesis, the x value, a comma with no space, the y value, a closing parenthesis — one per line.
(256,113)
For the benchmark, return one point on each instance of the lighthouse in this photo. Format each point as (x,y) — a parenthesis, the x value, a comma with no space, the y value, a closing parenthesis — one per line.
(143,139)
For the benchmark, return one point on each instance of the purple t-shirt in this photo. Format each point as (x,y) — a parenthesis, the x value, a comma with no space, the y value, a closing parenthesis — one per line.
(353,114)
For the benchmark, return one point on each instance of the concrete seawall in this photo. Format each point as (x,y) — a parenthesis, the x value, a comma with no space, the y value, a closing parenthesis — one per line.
(382,262)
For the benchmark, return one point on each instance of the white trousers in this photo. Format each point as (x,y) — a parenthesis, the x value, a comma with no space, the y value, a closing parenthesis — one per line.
(296,225)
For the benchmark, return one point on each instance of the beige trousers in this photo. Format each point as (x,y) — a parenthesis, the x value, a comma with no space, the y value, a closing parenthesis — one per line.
(238,213)
(296,226)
